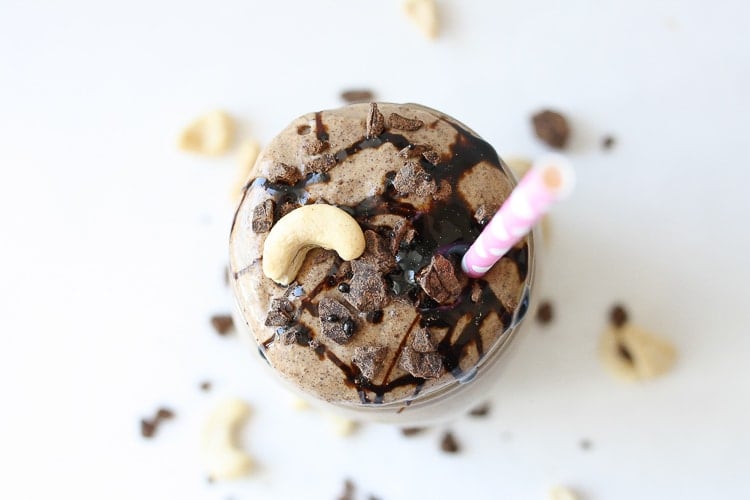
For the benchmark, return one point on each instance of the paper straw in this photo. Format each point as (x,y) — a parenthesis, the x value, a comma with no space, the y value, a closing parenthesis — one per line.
(550,179)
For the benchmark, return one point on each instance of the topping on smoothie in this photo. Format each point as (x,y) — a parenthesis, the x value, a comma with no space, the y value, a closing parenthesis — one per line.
(320,164)
(432,157)
(422,341)
(404,232)
(413,179)
(263,217)
(414,151)
(367,288)
(281,313)
(314,146)
(441,281)
(484,213)
(369,360)
(336,322)
(421,358)
(377,252)
(402,123)
(375,124)
(281,173)
(552,128)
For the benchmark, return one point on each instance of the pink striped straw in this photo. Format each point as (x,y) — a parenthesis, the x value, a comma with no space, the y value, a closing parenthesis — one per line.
(550,179)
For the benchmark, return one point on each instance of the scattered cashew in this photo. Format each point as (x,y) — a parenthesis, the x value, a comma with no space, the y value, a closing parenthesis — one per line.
(210,134)
(561,493)
(519,165)
(342,426)
(424,14)
(248,153)
(301,230)
(223,455)
(632,353)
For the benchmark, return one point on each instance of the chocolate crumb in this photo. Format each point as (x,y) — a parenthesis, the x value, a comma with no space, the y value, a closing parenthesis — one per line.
(624,353)
(449,444)
(608,142)
(402,123)
(336,322)
(369,360)
(375,122)
(476,291)
(281,312)
(148,428)
(281,173)
(545,313)
(222,323)
(348,493)
(422,341)
(320,164)
(263,217)
(314,146)
(585,444)
(431,156)
(618,316)
(480,411)
(205,386)
(414,150)
(413,179)
(412,431)
(551,127)
(304,129)
(368,290)
(355,96)
(402,232)
(422,364)
(441,281)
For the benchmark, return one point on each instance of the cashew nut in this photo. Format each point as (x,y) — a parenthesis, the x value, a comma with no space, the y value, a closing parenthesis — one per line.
(303,229)
(223,455)
(424,14)
(632,353)
(561,493)
(210,134)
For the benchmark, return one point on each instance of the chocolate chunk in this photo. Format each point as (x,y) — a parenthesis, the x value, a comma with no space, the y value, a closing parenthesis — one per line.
(421,364)
(441,281)
(414,150)
(377,252)
(334,318)
(368,290)
(348,493)
(484,213)
(281,312)
(402,232)
(422,341)
(432,157)
(480,411)
(375,122)
(608,142)
(545,313)
(618,316)
(449,444)
(148,428)
(281,173)
(314,146)
(476,291)
(402,123)
(444,191)
(286,207)
(293,334)
(552,128)
(320,164)
(412,431)
(205,386)
(222,323)
(412,179)
(355,96)
(263,217)
(369,360)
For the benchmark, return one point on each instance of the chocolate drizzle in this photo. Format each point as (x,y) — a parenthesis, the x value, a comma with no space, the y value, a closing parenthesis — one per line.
(448,227)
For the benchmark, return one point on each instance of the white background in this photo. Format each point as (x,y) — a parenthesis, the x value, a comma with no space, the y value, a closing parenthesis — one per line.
(113,242)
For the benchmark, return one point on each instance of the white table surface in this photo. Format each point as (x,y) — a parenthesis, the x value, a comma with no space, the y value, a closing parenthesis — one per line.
(114,242)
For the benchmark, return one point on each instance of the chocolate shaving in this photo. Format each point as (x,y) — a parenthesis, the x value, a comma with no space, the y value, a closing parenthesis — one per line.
(336,322)
(355,96)
(552,128)
(281,312)
(263,217)
(414,150)
(314,146)
(320,164)
(449,444)
(375,122)
(368,290)
(402,123)
(618,316)
(432,157)
(222,323)
(413,179)
(369,360)
(422,341)
(421,364)
(441,281)
(281,173)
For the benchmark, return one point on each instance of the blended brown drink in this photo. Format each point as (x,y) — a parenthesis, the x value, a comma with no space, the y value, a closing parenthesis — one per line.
(345,260)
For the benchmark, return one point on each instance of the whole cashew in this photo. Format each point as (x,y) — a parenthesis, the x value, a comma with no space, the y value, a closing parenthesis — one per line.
(223,455)
(303,229)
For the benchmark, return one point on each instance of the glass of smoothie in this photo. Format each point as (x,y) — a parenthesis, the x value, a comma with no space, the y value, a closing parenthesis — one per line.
(345,258)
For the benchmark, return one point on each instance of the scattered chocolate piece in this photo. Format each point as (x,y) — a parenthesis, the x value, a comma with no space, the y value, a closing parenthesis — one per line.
(369,360)
(355,96)
(412,431)
(421,364)
(222,323)
(150,426)
(432,156)
(412,179)
(402,232)
(422,341)
(449,444)
(545,313)
(368,290)
(402,123)
(414,150)
(480,411)
(585,444)
(377,252)
(476,291)
(348,493)
(444,191)
(293,334)
(618,316)
(263,217)
(205,386)
(551,127)
(336,321)
(320,164)
(608,142)
(281,312)
(281,173)
(375,122)
(441,281)
(164,414)
(314,146)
